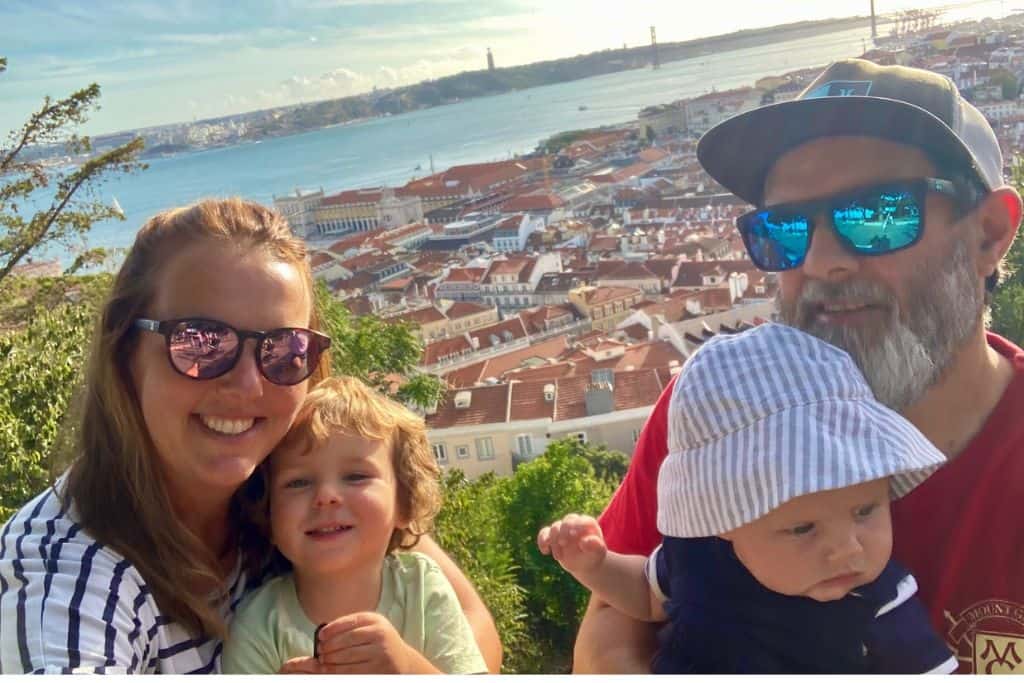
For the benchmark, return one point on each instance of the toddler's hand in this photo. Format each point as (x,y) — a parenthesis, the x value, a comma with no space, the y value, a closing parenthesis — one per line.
(575,541)
(367,643)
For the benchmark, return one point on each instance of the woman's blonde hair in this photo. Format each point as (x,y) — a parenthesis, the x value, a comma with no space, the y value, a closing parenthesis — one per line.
(114,481)
(346,404)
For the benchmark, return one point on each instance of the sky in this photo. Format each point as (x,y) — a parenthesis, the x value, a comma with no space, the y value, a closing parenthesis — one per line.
(163,61)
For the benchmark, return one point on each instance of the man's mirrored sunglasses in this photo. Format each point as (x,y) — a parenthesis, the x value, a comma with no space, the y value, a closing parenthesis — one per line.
(869,221)
(200,348)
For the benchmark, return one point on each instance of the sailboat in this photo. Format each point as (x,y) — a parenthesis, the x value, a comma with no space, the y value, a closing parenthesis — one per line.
(116,206)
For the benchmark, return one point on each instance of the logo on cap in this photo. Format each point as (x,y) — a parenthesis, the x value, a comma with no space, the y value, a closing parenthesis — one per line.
(840,89)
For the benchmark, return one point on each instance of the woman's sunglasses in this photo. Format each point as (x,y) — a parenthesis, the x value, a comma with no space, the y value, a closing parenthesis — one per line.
(869,222)
(204,349)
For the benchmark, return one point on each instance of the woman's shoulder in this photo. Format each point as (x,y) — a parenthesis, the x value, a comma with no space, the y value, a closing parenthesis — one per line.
(411,563)
(416,578)
(47,529)
(59,584)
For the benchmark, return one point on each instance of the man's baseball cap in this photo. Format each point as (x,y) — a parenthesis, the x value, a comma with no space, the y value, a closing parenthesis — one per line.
(912,106)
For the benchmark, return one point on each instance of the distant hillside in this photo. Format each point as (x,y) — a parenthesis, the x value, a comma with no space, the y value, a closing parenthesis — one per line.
(471,84)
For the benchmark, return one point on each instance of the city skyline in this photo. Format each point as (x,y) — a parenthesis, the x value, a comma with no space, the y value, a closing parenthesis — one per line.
(167,62)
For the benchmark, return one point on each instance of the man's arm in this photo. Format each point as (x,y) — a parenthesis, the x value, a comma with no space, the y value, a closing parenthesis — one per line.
(477,614)
(609,642)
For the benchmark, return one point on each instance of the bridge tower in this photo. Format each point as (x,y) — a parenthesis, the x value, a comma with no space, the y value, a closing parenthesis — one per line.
(655,64)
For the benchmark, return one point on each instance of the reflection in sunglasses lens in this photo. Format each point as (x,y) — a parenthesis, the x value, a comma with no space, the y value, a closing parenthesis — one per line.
(286,357)
(203,349)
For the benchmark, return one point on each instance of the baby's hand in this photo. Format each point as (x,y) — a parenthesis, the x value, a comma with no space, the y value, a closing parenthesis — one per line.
(575,541)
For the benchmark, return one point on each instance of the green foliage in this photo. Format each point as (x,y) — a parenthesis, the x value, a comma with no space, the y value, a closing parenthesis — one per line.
(543,490)
(469,528)
(382,354)
(70,198)
(1007,81)
(608,464)
(1008,302)
(556,142)
(43,362)
(490,528)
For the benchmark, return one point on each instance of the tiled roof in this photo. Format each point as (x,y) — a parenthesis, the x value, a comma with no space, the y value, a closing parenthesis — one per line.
(600,295)
(399,284)
(624,270)
(534,319)
(661,267)
(529,402)
(636,332)
(533,202)
(691,273)
(466,275)
(446,348)
(562,282)
(652,154)
(320,259)
(604,243)
(499,366)
(461,309)
(422,316)
(353,241)
(489,405)
(355,197)
(514,326)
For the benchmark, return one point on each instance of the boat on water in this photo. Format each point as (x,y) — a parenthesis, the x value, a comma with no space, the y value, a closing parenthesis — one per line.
(583,107)
(116,206)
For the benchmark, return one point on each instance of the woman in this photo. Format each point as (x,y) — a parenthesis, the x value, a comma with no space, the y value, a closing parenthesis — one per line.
(132,562)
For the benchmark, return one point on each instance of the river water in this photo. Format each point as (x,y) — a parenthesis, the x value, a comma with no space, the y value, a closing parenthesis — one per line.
(389,150)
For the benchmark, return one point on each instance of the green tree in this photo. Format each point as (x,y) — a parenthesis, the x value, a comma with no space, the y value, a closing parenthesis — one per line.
(382,354)
(41,205)
(469,529)
(545,489)
(43,363)
(1007,81)
(1007,313)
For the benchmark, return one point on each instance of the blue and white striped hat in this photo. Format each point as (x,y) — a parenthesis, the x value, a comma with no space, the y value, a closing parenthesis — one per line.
(764,416)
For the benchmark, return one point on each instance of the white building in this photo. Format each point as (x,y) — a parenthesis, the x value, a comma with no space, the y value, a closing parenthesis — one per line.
(511,233)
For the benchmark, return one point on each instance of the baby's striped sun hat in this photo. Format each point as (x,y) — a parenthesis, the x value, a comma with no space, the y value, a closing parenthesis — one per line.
(764,416)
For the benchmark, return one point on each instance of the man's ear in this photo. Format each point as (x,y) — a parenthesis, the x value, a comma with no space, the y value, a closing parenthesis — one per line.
(998,216)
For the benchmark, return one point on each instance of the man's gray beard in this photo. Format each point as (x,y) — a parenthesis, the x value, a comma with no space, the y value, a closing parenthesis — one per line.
(909,355)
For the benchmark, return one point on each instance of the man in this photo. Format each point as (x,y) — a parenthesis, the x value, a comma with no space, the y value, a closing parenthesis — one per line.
(863,139)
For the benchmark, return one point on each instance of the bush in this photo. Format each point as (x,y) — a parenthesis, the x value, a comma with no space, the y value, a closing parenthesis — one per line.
(44,359)
(490,529)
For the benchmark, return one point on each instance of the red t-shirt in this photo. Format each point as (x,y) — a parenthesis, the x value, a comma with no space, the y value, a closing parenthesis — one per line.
(961,532)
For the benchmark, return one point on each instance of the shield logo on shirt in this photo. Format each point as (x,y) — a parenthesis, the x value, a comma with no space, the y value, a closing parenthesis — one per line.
(998,653)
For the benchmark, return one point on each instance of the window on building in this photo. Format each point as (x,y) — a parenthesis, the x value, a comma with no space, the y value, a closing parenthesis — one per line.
(440,453)
(485,448)
(462,452)
(524,445)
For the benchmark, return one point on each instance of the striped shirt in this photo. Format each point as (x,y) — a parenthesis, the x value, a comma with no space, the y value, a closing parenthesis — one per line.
(68,604)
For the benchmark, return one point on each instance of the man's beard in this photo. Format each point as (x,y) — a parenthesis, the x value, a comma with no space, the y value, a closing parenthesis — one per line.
(913,348)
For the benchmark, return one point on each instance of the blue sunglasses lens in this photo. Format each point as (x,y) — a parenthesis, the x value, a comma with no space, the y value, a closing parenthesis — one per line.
(776,241)
(879,223)
(875,223)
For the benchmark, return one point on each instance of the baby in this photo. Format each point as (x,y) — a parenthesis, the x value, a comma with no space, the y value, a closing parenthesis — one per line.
(350,488)
(774,506)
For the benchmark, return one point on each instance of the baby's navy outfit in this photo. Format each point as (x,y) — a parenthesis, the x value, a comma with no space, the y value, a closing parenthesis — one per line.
(722,620)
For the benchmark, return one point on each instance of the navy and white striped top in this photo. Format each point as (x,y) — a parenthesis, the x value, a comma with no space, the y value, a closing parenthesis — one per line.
(68,604)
